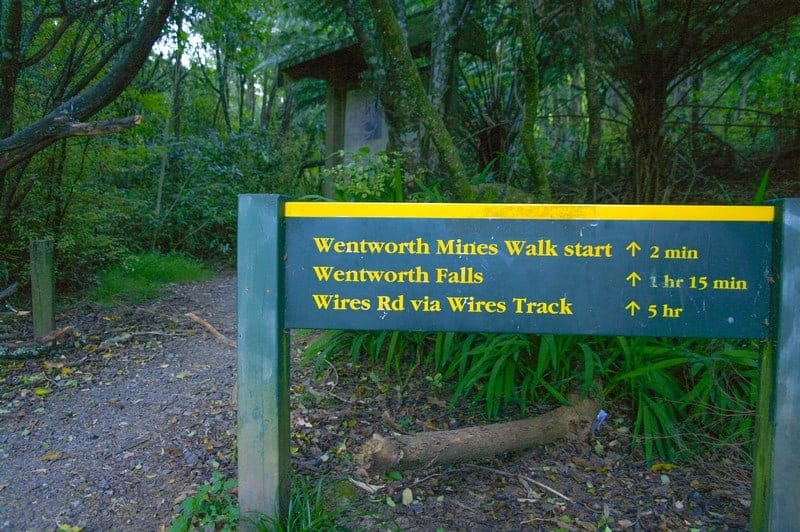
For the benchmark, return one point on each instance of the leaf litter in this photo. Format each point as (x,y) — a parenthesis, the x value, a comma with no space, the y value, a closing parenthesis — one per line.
(139,411)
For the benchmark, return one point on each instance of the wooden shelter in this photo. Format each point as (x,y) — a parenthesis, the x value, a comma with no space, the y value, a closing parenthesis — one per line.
(354,117)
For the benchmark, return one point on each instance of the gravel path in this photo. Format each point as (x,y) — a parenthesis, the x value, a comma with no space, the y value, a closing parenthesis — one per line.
(134,410)
(113,434)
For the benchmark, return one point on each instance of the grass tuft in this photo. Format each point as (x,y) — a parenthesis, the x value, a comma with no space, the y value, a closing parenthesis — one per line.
(140,277)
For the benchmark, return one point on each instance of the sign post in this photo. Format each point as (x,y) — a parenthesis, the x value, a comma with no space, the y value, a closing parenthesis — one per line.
(776,475)
(263,359)
(679,271)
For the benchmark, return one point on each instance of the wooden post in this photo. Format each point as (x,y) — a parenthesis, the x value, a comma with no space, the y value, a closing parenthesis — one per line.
(777,462)
(42,287)
(263,360)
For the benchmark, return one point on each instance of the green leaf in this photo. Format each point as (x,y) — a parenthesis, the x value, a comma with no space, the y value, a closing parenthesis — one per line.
(758,199)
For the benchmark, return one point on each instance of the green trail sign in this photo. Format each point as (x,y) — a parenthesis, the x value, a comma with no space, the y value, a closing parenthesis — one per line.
(678,271)
(611,270)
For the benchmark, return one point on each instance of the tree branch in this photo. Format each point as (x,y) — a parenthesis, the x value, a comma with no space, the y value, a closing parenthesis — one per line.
(93,129)
(27,142)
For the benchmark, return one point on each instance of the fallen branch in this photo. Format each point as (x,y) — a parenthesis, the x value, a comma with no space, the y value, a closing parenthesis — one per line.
(16,313)
(425,449)
(210,328)
(125,337)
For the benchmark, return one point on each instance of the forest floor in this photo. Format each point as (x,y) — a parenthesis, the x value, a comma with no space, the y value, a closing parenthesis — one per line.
(134,410)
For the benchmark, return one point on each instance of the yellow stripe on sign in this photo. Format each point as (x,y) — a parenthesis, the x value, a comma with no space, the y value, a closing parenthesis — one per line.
(686,213)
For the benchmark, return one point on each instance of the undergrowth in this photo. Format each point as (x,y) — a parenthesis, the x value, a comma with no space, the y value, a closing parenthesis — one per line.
(310,507)
(688,397)
(213,507)
(140,277)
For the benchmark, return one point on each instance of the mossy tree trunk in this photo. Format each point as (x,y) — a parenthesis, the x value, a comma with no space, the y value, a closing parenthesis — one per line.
(646,136)
(403,96)
(530,110)
(449,17)
(594,102)
(404,132)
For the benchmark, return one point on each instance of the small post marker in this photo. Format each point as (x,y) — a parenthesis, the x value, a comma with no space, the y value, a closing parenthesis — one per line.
(42,287)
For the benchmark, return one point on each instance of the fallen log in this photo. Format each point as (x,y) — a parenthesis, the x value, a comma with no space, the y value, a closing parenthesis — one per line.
(425,449)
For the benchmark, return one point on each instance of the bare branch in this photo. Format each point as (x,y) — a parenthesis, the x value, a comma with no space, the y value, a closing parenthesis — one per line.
(8,292)
(93,129)
(27,142)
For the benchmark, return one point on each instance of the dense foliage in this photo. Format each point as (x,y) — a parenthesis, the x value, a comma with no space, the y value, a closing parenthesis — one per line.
(216,122)
(654,101)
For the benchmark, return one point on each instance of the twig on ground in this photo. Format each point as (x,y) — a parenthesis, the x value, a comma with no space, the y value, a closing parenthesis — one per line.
(56,335)
(122,338)
(335,383)
(335,374)
(387,418)
(464,506)
(521,477)
(210,328)
(419,481)
(135,443)
(18,313)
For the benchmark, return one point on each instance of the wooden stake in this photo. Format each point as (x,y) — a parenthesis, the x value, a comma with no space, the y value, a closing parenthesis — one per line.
(42,287)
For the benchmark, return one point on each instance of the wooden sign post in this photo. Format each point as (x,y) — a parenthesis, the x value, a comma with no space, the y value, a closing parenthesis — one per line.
(679,271)
(42,287)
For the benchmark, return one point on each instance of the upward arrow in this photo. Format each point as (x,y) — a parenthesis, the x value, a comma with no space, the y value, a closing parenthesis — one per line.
(633,278)
(633,247)
(633,307)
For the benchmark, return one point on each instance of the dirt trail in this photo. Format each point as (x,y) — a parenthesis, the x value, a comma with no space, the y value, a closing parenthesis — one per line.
(112,435)
(128,427)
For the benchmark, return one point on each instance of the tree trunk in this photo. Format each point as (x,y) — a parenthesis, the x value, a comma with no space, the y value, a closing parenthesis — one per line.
(746,82)
(251,99)
(795,94)
(288,109)
(594,104)
(427,449)
(387,42)
(646,135)
(222,82)
(172,126)
(241,86)
(268,102)
(696,85)
(399,9)
(530,110)
(449,17)
(406,100)
(11,34)
(55,198)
